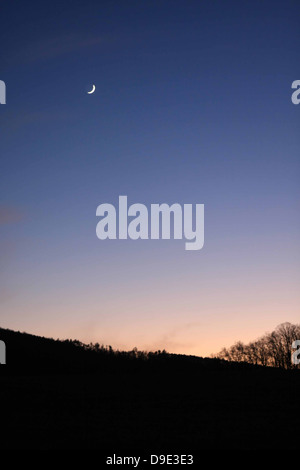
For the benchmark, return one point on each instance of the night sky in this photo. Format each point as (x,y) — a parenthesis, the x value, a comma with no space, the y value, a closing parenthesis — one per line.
(192,105)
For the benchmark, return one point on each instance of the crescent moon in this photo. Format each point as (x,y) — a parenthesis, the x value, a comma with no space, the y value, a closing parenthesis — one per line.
(92,90)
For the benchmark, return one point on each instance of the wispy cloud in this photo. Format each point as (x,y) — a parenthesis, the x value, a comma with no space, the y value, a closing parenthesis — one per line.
(57,46)
(10,214)
(13,122)
(173,340)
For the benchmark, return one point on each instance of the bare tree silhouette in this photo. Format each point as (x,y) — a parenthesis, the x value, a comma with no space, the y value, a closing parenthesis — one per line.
(273,349)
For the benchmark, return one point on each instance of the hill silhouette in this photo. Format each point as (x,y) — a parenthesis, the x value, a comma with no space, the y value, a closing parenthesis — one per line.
(68,395)
(43,355)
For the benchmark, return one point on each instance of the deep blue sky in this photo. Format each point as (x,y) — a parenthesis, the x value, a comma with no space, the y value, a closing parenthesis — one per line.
(192,105)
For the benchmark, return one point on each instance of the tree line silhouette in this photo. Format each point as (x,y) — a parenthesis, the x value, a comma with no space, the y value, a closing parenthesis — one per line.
(41,355)
(273,349)
(69,395)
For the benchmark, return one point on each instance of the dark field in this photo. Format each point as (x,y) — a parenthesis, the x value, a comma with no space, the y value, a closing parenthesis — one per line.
(165,403)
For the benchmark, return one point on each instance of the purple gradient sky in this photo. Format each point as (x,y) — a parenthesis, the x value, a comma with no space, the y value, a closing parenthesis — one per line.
(193,105)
